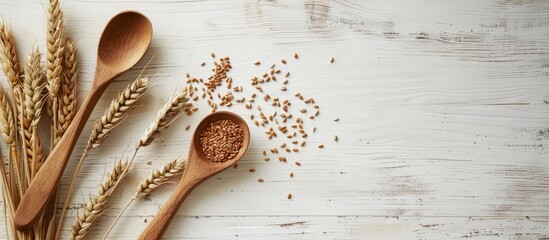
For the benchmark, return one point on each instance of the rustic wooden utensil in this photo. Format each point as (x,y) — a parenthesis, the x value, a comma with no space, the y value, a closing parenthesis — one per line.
(123,42)
(197,170)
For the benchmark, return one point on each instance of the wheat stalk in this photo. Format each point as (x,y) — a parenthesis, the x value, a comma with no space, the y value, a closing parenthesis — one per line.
(113,116)
(165,116)
(67,99)
(97,204)
(117,111)
(33,85)
(54,62)
(154,180)
(160,177)
(7,123)
(8,54)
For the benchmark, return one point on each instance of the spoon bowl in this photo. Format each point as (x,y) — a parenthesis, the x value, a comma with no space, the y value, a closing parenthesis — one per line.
(198,169)
(127,30)
(123,42)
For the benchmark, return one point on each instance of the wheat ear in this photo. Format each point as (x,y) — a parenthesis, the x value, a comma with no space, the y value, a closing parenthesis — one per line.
(55,43)
(33,85)
(169,112)
(97,204)
(11,64)
(155,179)
(68,94)
(7,123)
(160,177)
(115,113)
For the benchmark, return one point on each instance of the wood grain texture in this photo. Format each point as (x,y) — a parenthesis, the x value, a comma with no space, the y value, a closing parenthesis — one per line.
(443,106)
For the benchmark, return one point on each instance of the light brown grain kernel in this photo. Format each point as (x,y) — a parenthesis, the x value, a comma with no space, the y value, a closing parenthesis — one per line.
(251,170)
(288,150)
(296,56)
(297,163)
(295,150)
(336,120)
(257,62)
(336,138)
(303,110)
(203,64)
(272,66)
(321,146)
(289,196)
(212,54)
(303,143)
(187,127)
(260,180)
(282,159)
(295,142)
(283,61)
(266,159)
(283,88)
(292,174)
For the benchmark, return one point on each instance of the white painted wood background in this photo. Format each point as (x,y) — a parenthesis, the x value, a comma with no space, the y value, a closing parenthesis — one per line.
(444,109)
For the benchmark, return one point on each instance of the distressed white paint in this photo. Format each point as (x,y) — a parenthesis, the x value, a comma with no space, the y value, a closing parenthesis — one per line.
(443,108)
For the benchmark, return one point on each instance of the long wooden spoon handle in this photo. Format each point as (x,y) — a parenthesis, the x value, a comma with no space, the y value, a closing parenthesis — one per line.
(43,184)
(156,228)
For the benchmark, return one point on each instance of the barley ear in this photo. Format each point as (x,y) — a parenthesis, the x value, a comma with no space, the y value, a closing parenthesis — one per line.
(117,111)
(166,115)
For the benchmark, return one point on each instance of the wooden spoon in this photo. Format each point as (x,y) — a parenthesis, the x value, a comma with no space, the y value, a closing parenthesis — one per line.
(124,41)
(197,170)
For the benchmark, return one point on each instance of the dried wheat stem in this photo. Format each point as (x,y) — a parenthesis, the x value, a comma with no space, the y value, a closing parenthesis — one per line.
(165,116)
(117,111)
(33,86)
(67,97)
(97,204)
(155,179)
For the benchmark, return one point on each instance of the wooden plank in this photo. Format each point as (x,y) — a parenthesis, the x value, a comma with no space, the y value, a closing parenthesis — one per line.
(442,106)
